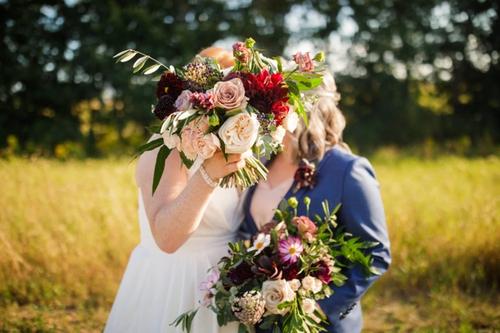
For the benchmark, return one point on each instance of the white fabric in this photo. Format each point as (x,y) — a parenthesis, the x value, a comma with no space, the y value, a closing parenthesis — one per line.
(157,286)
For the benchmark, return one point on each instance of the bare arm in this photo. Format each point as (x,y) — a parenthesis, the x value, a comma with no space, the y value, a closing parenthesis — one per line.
(178,205)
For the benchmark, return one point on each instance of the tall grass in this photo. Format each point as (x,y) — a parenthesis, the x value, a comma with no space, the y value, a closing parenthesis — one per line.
(67,229)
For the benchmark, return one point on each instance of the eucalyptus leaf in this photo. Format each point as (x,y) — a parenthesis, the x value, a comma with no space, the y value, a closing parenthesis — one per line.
(119,54)
(128,56)
(151,69)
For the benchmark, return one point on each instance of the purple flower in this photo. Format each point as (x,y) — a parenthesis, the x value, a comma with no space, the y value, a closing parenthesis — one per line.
(290,249)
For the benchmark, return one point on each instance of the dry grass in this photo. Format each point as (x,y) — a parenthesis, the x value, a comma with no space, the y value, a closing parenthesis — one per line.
(67,229)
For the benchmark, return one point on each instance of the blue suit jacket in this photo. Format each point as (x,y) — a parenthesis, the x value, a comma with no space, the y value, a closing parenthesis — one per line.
(350,180)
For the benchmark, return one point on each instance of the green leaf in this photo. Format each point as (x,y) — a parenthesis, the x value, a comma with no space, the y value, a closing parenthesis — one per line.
(242,328)
(151,69)
(160,165)
(293,88)
(149,146)
(139,63)
(127,56)
(186,161)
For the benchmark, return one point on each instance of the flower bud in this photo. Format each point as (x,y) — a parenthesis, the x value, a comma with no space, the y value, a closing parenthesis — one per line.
(292,202)
(250,42)
(319,57)
(307,201)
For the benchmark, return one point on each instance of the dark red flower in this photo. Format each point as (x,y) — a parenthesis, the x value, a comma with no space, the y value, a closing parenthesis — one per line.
(169,84)
(267,93)
(291,272)
(267,266)
(165,106)
(323,272)
(240,273)
(305,176)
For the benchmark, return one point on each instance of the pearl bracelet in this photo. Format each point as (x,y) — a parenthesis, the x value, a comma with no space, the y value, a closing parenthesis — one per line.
(206,177)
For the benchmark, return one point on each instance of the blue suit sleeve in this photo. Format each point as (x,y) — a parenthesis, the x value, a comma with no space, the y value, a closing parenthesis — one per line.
(362,214)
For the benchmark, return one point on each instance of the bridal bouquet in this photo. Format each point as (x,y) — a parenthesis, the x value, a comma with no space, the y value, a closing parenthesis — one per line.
(276,281)
(245,110)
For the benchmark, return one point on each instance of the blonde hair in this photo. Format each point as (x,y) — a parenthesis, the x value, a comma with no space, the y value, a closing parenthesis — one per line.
(223,56)
(326,123)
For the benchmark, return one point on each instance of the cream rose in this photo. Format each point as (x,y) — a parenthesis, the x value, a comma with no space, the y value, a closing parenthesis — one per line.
(183,102)
(230,94)
(308,305)
(239,133)
(276,292)
(190,135)
(207,145)
(310,283)
(294,284)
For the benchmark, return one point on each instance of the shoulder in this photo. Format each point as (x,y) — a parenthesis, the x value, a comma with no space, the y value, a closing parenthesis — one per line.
(345,165)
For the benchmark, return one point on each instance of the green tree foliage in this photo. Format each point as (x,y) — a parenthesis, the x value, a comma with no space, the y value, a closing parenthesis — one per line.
(418,69)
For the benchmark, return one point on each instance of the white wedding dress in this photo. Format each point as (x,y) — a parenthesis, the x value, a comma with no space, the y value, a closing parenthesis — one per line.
(157,287)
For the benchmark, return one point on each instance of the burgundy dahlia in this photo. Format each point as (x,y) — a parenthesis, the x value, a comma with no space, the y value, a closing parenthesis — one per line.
(291,272)
(267,93)
(169,84)
(240,273)
(165,106)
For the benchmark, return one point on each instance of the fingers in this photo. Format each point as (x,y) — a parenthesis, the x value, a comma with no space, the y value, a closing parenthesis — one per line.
(234,158)
(235,166)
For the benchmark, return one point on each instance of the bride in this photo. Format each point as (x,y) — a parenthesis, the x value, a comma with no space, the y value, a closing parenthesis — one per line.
(185,228)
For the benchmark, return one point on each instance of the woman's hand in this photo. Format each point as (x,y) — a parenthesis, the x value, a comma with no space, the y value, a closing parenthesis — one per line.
(217,167)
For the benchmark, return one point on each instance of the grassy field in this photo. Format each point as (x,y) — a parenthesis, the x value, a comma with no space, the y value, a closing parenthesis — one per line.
(67,229)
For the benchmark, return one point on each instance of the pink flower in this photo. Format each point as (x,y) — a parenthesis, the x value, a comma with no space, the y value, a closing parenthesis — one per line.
(206,145)
(183,102)
(290,249)
(190,134)
(241,52)
(307,228)
(230,94)
(203,100)
(304,61)
(206,286)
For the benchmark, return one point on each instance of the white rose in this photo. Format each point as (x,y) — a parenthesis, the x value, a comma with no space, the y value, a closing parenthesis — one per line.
(171,140)
(291,121)
(276,292)
(310,283)
(239,133)
(308,305)
(207,145)
(278,134)
(294,284)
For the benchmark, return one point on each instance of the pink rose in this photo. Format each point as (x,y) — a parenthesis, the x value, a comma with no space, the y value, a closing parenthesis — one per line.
(230,94)
(304,61)
(183,102)
(207,145)
(307,228)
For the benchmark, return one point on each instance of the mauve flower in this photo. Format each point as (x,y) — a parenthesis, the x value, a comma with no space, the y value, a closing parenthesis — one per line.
(183,102)
(230,95)
(307,228)
(206,286)
(304,61)
(290,249)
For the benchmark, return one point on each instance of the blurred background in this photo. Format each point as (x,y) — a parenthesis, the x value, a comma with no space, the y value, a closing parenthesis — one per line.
(420,86)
